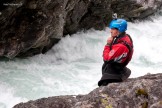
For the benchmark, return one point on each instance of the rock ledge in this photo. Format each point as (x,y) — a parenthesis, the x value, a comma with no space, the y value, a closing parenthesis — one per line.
(141,92)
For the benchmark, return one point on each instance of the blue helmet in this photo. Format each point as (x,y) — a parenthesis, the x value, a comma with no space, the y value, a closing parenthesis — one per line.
(120,24)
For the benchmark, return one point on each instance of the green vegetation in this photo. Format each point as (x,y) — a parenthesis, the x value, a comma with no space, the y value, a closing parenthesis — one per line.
(145,105)
(160,102)
(104,102)
(142,92)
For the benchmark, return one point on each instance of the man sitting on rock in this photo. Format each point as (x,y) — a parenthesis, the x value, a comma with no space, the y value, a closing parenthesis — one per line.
(117,53)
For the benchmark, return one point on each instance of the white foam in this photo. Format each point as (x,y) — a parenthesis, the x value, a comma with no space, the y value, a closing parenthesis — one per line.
(73,66)
(7,96)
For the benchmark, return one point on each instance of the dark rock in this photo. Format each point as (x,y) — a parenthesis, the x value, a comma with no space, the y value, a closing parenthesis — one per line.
(142,92)
(51,102)
(29,27)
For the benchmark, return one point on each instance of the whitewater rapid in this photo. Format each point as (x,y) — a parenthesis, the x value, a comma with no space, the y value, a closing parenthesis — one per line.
(73,66)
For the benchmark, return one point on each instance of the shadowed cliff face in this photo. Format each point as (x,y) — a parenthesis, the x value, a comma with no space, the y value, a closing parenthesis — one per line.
(142,92)
(29,27)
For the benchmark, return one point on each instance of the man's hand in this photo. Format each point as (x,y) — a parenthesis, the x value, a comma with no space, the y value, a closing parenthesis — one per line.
(110,40)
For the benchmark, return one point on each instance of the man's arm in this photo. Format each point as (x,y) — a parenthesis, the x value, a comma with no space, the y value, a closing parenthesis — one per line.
(118,53)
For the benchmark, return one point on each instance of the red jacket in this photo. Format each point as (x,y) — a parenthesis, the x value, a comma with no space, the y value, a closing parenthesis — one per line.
(120,51)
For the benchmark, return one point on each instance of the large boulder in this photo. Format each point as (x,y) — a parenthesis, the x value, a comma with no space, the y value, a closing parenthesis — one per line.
(142,92)
(31,27)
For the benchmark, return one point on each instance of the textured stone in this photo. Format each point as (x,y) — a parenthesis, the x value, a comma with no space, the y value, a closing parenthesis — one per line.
(142,92)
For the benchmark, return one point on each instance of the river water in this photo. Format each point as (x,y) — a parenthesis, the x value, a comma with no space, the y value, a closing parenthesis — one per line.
(73,66)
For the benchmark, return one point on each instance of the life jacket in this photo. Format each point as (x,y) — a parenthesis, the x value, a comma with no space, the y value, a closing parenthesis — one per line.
(128,42)
(118,58)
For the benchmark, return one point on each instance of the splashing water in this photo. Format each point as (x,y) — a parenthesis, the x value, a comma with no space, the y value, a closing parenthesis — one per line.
(73,66)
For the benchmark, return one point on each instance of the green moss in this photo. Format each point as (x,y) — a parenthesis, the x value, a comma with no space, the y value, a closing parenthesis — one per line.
(142,92)
(145,105)
(160,102)
(109,106)
(104,101)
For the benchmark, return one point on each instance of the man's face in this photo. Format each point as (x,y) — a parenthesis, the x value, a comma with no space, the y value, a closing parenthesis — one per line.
(114,32)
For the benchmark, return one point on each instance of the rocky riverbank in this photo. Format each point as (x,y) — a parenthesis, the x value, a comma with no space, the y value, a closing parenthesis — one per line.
(141,92)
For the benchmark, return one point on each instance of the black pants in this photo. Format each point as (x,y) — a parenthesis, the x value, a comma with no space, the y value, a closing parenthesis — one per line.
(113,73)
